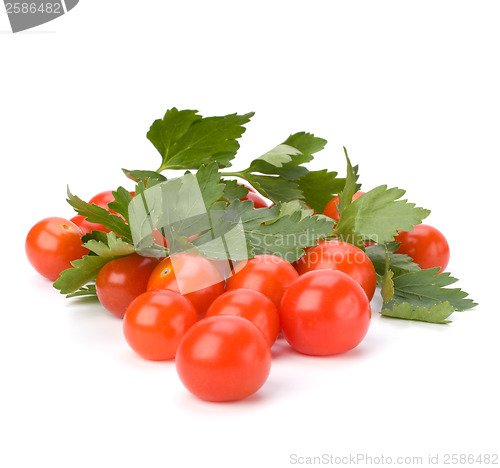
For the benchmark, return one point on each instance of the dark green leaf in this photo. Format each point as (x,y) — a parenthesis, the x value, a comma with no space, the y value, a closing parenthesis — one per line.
(425,288)
(319,187)
(276,189)
(122,200)
(233,190)
(137,176)
(306,143)
(398,263)
(96,214)
(351,186)
(83,271)
(208,177)
(187,141)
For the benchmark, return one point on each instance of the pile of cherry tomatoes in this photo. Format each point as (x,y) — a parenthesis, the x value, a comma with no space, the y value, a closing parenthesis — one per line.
(220,327)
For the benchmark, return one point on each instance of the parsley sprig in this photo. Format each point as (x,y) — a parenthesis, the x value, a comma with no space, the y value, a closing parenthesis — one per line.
(201,211)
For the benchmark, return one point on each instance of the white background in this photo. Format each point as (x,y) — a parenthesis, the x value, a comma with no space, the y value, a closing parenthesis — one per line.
(410,88)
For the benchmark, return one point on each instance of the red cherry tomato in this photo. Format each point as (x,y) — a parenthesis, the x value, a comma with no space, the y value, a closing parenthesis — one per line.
(193,276)
(121,280)
(86,226)
(331,207)
(155,323)
(52,244)
(223,358)
(324,312)
(102,199)
(426,245)
(251,305)
(267,274)
(342,256)
(258,200)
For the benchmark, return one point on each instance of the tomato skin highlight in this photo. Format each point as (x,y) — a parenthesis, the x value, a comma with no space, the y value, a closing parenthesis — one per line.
(267,274)
(223,358)
(331,207)
(342,256)
(195,277)
(52,244)
(155,323)
(121,280)
(324,312)
(426,245)
(253,306)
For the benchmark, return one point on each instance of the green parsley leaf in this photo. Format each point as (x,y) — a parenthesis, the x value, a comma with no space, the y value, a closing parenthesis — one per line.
(426,287)
(378,215)
(122,199)
(185,140)
(113,247)
(233,190)
(85,270)
(96,214)
(283,160)
(276,189)
(208,178)
(351,186)
(437,313)
(283,232)
(319,187)
(137,176)
(88,291)
(398,263)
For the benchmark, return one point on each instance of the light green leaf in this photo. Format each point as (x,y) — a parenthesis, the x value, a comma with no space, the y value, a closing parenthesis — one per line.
(378,215)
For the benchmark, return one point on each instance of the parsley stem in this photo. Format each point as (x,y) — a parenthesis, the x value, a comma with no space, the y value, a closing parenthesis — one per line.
(234,174)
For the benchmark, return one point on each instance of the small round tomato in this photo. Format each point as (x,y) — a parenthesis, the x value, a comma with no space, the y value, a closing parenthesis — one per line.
(121,280)
(87,226)
(267,274)
(331,207)
(258,200)
(52,244)
(223,358)
(193,276)
(102,199)
(342,256)
(426,245)
(324,312)
(251,305)
(155,323)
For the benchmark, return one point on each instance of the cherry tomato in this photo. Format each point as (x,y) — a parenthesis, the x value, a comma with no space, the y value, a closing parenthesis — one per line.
(331,207)
(223,358)
(155,323)
(324,312)
(102,199)
(258,200)
(251,305)
(426,245)
(86,226)
(342,256)
(52,244)
(121,280)
(193,276)
(267,274)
